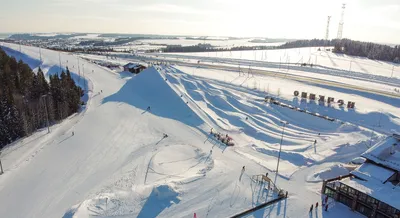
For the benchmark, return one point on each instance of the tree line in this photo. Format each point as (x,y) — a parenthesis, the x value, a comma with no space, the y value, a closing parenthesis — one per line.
(28,101)
(351,47)
(210,48)
(343,46)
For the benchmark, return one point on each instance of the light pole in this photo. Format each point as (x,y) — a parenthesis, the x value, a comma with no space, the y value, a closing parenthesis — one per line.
(1,166)
(280,149)
(47,114)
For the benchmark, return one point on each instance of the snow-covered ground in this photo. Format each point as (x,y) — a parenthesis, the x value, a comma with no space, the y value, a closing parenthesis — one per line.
(326,65)
(118,164)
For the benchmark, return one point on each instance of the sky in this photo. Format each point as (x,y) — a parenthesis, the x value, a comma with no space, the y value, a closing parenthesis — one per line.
(366,20)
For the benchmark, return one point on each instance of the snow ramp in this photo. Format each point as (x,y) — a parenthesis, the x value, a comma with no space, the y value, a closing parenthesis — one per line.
(150,89)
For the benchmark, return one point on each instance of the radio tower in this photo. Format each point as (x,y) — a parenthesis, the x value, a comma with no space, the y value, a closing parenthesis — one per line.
(340,30)
(327,28)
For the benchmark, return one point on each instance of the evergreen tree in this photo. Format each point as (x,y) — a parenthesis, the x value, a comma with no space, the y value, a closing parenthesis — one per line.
(27,99)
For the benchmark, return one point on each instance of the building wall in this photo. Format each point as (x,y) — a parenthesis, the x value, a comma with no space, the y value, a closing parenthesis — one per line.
(360,202)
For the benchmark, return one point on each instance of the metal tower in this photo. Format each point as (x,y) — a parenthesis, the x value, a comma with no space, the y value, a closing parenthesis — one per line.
(340,29)
(327,28)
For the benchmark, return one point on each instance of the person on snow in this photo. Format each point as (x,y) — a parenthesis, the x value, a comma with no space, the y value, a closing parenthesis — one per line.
(165,136)
(148,108)
(241,174)
(315,141)
(311,208)
(72,133)
(316,205)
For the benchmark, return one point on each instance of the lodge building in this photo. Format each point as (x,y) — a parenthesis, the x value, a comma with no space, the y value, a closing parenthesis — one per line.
(373,188)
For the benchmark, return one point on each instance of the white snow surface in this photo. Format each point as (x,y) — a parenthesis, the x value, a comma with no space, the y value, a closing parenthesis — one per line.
(117,164)
(329,173)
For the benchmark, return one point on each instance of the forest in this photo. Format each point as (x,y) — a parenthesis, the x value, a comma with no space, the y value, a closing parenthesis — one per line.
(29,102)
(343,46)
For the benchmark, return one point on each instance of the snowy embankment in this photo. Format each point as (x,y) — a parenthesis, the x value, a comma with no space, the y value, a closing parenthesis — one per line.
(118,164)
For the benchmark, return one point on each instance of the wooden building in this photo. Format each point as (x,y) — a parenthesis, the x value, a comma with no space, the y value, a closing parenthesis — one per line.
(373,188)
(134,68)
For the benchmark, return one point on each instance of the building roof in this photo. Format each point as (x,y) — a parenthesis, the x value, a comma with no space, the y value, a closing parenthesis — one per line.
(133,65)
(386,153)
(369,171)
(385,192)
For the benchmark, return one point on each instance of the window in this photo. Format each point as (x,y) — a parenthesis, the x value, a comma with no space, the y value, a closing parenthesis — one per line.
(352,192)
(362,197)
(343,188)
(345,200)
(364,210)
(371,200)
(382,206)
(329,192)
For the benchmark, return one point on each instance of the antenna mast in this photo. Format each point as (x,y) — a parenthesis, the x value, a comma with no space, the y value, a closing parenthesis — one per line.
(340,30)
(327,28)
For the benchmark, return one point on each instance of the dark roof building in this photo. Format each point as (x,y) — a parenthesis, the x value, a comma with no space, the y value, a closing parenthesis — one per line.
(134,68)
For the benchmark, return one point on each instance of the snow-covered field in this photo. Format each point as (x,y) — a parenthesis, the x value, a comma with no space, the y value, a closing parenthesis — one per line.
(326,65)
(118,164)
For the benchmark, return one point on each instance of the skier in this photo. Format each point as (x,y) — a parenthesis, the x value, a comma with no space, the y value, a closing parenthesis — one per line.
(241,174)
(247,118)
(102,91)
(165,136)
(326,199)
(315,142)
(72,133)
(148,108)
(311,208)
(316,205)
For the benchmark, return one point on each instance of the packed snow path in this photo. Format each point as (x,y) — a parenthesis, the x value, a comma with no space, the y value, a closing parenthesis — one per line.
(119,164)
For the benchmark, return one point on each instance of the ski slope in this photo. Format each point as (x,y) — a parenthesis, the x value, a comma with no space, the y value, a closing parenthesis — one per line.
(118,164)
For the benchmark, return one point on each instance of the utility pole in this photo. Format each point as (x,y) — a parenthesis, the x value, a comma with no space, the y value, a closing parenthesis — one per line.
(40,53)
(59,58)
(327,28)
(380,117)
(280,149)
(47,114)
(84,80)
(392,71)
(350,66)
(1,166)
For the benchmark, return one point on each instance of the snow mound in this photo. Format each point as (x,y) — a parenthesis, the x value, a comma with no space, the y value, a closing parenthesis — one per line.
(177,162)
(329,173)
(126,204)
(150,89)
